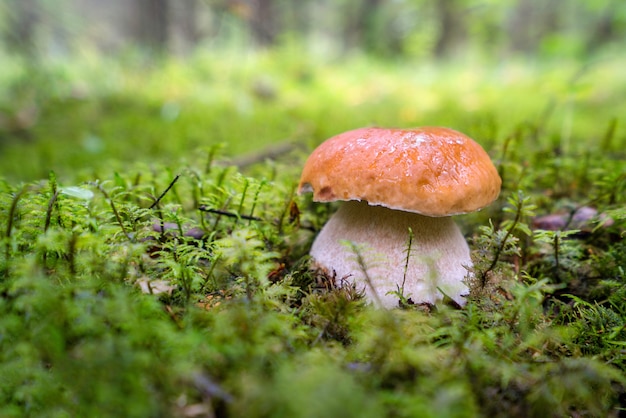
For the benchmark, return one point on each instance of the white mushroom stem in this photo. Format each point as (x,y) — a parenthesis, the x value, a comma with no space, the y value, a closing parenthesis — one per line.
(438,262)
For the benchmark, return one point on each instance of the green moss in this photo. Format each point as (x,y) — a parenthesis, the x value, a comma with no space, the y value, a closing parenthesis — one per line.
(148,276)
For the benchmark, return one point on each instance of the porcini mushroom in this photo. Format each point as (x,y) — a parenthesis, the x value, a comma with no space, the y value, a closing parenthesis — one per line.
(392,180)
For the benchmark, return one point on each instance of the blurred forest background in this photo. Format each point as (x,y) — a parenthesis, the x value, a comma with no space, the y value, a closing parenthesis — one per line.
(252,72)
(392,28)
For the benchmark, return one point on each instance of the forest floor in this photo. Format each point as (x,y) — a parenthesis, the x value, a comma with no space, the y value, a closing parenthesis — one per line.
(154,251)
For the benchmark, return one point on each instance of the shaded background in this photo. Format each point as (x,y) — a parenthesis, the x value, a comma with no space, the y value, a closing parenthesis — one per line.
(89,83)
(400,28)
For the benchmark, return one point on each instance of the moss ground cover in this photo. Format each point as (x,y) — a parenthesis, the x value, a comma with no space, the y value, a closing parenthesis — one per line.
(148,269)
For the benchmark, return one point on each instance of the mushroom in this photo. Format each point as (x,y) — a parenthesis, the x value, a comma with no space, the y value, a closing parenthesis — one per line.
(391,180)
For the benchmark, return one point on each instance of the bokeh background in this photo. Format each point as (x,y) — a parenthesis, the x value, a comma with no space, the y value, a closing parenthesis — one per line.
(87,84)
(389,29)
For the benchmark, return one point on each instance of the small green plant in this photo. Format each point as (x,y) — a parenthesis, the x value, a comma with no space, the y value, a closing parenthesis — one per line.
(404,299)
(496,243)
(562,252)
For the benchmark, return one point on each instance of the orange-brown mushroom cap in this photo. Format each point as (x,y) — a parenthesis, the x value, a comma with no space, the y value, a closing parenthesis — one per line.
(433,171)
